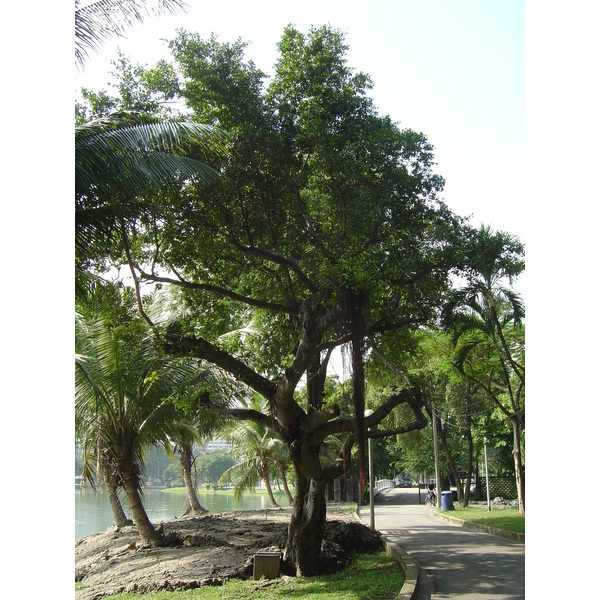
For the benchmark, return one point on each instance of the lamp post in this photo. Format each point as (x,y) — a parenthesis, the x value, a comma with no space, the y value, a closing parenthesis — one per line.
(487,478)
(368,413)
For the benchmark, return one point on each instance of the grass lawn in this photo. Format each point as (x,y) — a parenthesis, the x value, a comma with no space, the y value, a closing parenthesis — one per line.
(371,576)
(507,518)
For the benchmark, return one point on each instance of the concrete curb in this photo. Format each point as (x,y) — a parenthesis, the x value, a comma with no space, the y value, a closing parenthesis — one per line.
(511,535)
(411,585)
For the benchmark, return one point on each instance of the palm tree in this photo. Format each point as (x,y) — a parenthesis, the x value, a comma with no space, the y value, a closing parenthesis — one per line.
(281,460)
(194,428)
(104,475)
(98,20)
(258,448)
(485,318)
(123,404)
(192,504)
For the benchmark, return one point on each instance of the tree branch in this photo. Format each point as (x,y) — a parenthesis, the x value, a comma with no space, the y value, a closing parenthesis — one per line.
(176,343)
(203,402)
(204,287)
(279,259)
(411,396)
(388,364)
(134,276)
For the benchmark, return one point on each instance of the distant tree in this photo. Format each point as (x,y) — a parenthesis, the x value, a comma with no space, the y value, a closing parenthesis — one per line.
(194,428)
(211,465)
(172,476)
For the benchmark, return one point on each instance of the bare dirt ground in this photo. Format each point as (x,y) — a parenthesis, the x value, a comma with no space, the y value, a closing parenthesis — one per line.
(205,550)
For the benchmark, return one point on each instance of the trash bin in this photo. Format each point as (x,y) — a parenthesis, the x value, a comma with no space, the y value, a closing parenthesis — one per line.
(447,501)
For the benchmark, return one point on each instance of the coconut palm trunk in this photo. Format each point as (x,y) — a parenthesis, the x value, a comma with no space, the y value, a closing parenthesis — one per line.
(192,504)
(286,489)
(110,482)
(119,515)
(264,474)
(146,530)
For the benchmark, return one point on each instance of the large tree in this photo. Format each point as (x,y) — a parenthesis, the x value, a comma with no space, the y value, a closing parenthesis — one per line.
(486,319)
(324,229)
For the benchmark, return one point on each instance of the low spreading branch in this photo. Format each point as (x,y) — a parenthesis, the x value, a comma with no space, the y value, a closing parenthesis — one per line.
(205,287)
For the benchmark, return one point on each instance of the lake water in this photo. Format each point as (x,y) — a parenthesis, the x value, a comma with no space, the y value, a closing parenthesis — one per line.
(93,514)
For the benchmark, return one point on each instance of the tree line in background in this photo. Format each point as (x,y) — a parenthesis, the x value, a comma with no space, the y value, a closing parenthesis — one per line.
(265,224)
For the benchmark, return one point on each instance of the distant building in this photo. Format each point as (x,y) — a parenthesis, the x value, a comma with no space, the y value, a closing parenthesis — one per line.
(214,444)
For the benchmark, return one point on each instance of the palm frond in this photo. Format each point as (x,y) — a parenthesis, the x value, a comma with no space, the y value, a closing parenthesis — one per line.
(97,21)
(244,475)
(114,155)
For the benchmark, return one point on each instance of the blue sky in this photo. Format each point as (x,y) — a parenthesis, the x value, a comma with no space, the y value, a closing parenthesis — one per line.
(454,70)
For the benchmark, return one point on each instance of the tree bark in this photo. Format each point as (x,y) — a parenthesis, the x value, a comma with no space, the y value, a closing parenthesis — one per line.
(146,530)
(185,453)
(119,515)
(467,494)
(110,482)
(307,525)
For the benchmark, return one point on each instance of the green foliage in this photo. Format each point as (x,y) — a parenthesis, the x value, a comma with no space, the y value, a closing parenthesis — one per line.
(299,216)
(172,476)
(212,465)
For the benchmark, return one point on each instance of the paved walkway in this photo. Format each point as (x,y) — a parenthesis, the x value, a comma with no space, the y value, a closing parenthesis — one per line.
(453,562)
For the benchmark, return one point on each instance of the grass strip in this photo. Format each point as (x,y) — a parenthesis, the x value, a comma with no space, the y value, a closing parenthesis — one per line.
(371,576)
(507,518)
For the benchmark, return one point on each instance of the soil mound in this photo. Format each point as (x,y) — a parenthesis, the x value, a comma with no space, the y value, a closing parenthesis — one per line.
(205,550)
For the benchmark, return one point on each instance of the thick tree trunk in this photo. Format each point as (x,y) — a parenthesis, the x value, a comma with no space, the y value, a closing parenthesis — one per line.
(146,530)
(519,474)
(119,515)
(309,511)
(192,503)
(307,527)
